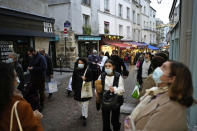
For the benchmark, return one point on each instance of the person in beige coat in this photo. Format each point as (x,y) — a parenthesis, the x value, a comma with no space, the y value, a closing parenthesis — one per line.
(163,108)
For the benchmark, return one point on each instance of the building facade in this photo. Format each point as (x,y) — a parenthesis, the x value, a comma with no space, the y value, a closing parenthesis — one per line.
(24,25)
(183,44)
(148,22)
(160,36)
(81,35)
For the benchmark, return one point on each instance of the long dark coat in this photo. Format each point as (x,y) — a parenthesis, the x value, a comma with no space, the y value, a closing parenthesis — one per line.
(77,83)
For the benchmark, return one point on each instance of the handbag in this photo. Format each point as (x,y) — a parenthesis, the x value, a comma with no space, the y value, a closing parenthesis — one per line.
(86,90)
(14,110)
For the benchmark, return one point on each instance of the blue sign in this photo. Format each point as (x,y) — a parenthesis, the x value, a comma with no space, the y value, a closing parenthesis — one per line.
(67,24)
(89,38)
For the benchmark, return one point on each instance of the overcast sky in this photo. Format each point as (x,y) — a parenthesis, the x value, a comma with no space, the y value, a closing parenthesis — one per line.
(162,9)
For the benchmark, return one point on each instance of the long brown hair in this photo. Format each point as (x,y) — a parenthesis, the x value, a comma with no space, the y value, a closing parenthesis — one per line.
(181,90)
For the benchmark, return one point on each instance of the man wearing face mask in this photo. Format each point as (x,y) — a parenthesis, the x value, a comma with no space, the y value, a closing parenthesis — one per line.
(144,69)
(93,61)
(13,59)
(37,68)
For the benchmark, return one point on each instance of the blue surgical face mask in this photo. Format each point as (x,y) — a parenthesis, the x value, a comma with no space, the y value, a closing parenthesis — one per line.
(10,60)
(157,75)
(108,71)
(81,66)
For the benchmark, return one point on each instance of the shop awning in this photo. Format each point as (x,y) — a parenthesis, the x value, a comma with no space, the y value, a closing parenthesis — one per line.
(122,45)
(140,45)
(152,47)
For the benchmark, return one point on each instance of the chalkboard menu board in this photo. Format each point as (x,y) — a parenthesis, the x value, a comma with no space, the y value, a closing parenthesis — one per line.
(5,48)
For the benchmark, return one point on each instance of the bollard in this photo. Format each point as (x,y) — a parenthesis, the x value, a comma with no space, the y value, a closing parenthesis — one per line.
(60,66)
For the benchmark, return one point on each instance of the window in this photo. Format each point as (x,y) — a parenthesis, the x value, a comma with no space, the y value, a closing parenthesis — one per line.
(120,10)
(138,19)
(128,32)
(144,10)
(150,25)
(120,30)
(134,17)
(86,20)
(106,27)
(128,13)
(144,24)
(106,5)
(86,2)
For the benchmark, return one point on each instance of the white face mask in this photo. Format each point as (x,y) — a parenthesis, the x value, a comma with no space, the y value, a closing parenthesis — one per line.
(81,66)
(157,75)
(108,71)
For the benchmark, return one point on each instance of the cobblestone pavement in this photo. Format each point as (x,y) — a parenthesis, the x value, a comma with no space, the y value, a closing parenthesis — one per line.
(61,113)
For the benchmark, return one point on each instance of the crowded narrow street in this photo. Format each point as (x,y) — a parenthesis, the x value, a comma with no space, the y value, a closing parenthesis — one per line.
(62,113)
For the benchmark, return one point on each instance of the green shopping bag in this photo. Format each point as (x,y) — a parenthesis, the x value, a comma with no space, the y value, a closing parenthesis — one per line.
(136,92)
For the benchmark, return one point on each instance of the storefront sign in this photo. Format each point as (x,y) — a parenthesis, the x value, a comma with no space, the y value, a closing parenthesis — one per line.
(89,38)
(48,28)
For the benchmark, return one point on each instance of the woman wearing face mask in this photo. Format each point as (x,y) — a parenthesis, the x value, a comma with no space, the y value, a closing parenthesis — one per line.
(163,108)
(81,73)
(113,82)
(29,120)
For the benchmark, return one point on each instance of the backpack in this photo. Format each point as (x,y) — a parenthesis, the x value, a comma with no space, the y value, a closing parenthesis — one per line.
(110,100)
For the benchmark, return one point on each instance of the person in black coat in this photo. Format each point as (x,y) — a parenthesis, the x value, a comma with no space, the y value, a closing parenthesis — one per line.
(145,68)
(37,68)
(13,59)
(78,77)
(119,63)
(49,71)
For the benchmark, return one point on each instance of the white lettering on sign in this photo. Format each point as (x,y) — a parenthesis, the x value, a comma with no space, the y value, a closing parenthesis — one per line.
(48,27)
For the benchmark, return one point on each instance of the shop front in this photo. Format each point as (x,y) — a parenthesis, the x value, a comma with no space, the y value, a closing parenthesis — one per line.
(86,44)
(20,30)
(109,43)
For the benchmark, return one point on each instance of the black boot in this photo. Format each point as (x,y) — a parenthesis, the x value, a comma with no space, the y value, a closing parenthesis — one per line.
(84,121)
(50,95)
(98,106)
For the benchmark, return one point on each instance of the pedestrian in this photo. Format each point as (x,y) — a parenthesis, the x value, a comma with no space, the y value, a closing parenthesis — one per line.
(81,73)
(49,70)
(119,64)
(37,68)
(127,60)
(164,108)
(69,87)
(104,58)
(148,83)
(144,68)
(29,120)
(93,61)
(13,59)
(112,82)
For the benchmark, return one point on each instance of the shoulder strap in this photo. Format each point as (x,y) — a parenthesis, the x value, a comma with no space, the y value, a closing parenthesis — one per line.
(103,75)
(85,71)
(14,109)
(116,79)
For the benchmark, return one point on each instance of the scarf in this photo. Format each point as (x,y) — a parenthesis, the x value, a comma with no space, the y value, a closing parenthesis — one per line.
(144,100)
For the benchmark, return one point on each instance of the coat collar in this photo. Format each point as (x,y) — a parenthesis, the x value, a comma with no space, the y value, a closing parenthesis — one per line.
(160,100)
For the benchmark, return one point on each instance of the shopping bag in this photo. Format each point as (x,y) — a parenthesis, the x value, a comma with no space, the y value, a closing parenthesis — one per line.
(52,87)
(136,92)
(86,90)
